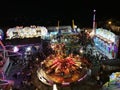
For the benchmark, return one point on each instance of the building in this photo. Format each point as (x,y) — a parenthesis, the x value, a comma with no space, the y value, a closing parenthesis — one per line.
(107,42)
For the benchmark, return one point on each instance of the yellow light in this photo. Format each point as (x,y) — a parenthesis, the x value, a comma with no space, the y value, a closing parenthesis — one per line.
(109,22)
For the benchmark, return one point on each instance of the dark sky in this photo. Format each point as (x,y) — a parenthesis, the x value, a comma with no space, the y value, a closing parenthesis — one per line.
(48,12)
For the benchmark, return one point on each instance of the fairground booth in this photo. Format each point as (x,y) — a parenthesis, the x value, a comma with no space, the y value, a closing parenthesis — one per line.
(107,42)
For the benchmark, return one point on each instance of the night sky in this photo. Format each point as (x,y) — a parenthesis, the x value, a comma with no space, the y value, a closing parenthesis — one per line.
(48,12)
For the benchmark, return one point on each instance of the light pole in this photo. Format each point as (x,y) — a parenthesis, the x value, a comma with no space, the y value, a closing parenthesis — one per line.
(94,21)
(94,25)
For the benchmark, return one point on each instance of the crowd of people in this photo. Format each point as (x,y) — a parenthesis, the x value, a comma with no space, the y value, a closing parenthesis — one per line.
(27,72)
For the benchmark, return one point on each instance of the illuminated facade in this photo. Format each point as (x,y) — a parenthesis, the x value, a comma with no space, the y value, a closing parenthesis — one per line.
(26,32)
(107,42)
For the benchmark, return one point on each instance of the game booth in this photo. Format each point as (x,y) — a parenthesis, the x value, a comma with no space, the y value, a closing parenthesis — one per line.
(107,42)
(26,32)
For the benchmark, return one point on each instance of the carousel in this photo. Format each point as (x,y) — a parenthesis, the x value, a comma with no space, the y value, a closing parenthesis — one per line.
(59,68)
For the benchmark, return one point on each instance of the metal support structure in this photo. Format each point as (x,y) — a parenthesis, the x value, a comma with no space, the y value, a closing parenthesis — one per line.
(94,21)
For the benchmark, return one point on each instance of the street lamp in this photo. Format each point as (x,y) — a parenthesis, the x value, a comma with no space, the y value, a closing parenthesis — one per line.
(109,22)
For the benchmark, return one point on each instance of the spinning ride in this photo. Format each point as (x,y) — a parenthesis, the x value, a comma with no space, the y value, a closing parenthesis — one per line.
(61,69)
